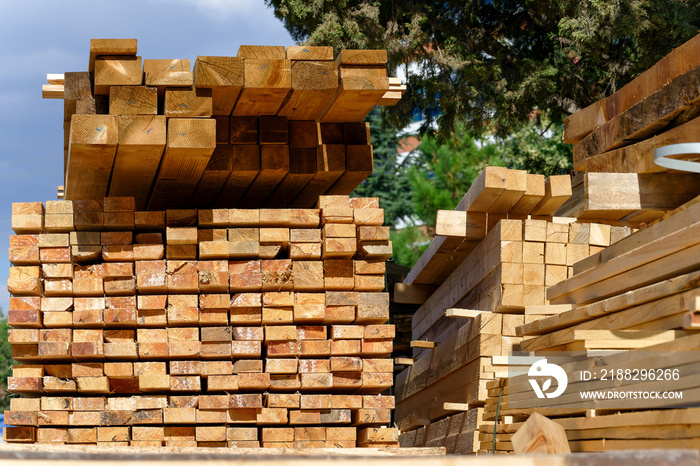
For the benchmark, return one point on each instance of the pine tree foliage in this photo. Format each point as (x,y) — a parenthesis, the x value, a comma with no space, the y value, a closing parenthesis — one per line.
(489,64)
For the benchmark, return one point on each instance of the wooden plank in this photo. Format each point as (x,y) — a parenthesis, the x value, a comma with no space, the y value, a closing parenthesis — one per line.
(246,161)
(362,57)
(652,244)
(330,165)
(557,190)
(678,61)
(359,164)
(302,168)
(632,316)
(93,146)
(224,76)
(266,84)
(614,195)
(516,185)
(116,70)
(141,143)
(110,47)
(133,100)
(645,118)
(188,103)
(668,266)
(408,293)
(167,73)
(309,52)
(274,166)
(190,143)
(355,98)
(314,84)
(534,192)
(215,176)
(639,157)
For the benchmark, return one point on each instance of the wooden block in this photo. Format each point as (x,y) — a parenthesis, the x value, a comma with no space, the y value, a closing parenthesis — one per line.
(116,71)
(330,165)
(356,95)
(266,83)
(188,103)
(372,308)
(557,191)
(313,85)
(274,166)
(92,148)
(151,276)
(190,143)
(224,76)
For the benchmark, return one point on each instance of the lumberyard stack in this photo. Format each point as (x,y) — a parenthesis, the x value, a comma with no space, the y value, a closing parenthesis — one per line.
(207,280)
(619,274)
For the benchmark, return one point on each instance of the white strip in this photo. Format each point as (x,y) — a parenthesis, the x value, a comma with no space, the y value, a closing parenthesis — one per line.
(661,153)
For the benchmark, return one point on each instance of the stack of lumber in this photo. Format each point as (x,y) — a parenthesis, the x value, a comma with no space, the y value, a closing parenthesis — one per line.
(612,424)
(270,127)
(210,327)
(615,139)
(467,323)
(635,303)
(497,193)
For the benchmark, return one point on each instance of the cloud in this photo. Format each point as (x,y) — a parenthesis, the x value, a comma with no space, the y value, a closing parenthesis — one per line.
(222,10)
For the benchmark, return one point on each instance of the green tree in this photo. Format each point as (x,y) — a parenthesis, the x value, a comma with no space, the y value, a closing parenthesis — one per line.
(408,244)
(388,181)
(489,65)
(5,364)
(537,147)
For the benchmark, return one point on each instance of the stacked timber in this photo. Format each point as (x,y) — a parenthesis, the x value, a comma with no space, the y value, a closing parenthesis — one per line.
(615,139)
(270,127)
(493,258)
(210,327)
(635,304)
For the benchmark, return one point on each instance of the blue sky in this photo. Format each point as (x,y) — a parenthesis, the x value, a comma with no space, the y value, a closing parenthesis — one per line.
(40,37)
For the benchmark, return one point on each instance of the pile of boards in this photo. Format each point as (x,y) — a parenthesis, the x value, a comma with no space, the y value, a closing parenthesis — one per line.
(637,301)
(224,327)
(206,279)
(465,328)
(270,127)
(631,301)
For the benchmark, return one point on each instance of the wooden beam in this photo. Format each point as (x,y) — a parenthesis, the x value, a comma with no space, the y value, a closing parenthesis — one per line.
(215,176)
(314,84)
(266,84)
(274,166)
(407,293)
(614,195)
(330,165)
(557,190)
(678,61)
(141,143)
(672,102)
(245,166)
(463,313)
(422,344)
(110,47)
(93,146)
(639,157)
(190,143)
(224,76)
